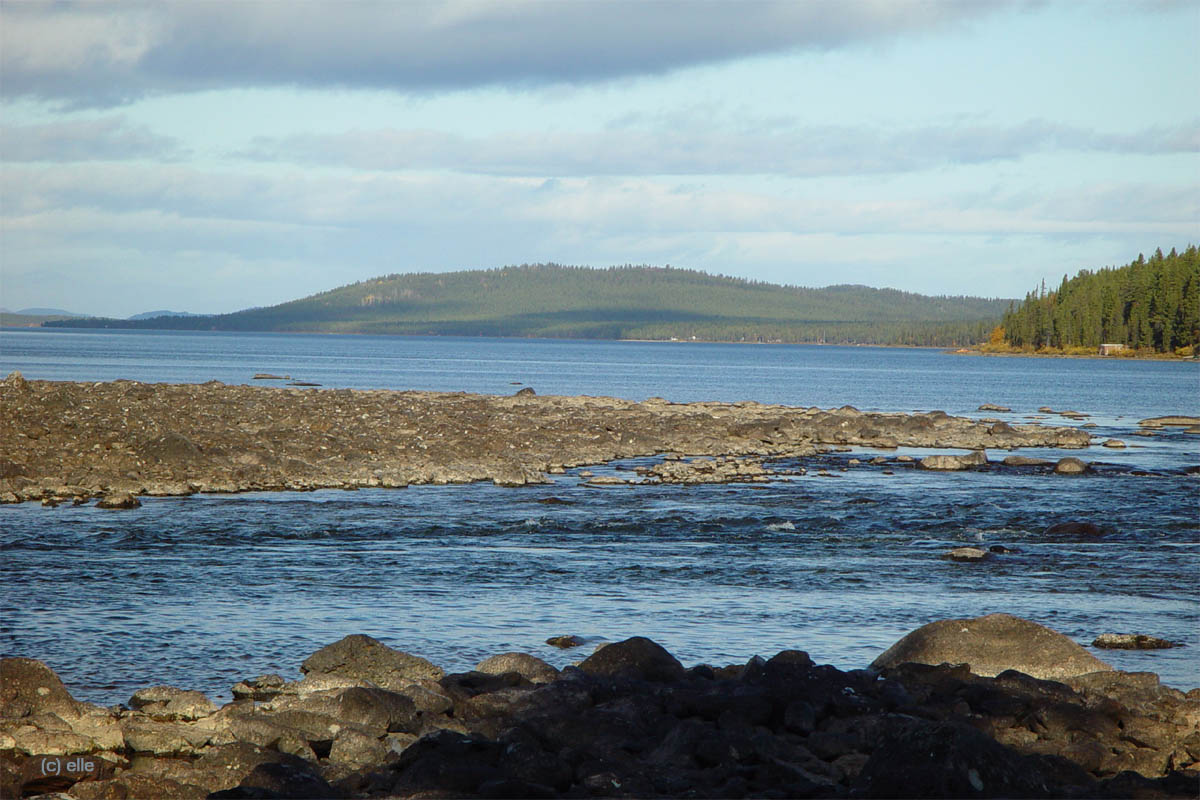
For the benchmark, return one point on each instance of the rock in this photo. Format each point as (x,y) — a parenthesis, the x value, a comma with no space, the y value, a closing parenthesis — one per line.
(264,687)
(30,687)
(929,759)
(118,500)
(1176,420)
(531,668)
(969,554)
(359,656)
(954,462)
(607,480)
(169,703)
(357,749)
(993,407)
(1114,443)
(1071,466)
(1132,641)
(991,645)
(637,657)
(1073,528)
(1025,461)
(565,642)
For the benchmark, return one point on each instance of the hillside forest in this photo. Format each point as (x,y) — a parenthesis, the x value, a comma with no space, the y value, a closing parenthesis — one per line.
(1149,306)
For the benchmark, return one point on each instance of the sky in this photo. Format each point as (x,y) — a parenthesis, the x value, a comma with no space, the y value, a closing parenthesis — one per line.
(212,156)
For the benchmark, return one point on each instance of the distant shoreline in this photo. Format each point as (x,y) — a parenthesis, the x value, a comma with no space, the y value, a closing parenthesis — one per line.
(1095,356)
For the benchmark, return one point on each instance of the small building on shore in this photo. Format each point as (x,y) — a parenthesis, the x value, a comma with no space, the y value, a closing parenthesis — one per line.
(1109,349)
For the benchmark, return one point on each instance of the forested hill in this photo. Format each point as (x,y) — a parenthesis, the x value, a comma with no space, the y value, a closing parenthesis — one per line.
(1149,305)
(549,300)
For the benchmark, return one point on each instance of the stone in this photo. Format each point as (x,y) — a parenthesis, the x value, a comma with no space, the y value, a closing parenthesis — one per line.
(1073,528)
(532,668)
(1026,461)
(360,656)
(993,644)
(1132,641)
(169,703)
(968,554)
(975,458)
(28,687)
(1071,466)
(264,687)
(636,657)
(565,642)
(118,500)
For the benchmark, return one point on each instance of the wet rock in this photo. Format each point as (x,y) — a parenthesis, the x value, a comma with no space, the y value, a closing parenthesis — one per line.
(1132,641)
(1025,461)
(1073,528)
(991,645)
(169,703)
(968,554)
(637,657)
(975,458)
(118,500)
(1174,420)
(360,656)
(531,668)
(565,642)
(1071,466)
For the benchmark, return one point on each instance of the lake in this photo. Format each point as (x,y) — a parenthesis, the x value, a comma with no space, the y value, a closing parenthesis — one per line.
(202,591)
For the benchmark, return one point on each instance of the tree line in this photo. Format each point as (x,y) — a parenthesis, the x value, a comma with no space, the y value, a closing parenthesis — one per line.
(1149,305)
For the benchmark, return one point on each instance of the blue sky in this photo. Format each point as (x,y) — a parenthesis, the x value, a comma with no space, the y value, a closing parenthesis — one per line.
(216,155)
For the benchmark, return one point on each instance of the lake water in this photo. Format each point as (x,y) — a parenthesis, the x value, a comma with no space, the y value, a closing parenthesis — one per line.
(203,591)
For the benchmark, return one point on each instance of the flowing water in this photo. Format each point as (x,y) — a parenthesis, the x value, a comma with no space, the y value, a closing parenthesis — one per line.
(203,591)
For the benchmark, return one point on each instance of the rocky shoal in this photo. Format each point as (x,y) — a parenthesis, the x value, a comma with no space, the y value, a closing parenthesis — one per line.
(1038,716)
(62,441)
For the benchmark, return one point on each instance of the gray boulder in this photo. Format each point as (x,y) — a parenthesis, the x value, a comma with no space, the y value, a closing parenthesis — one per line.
(1071,466)
(28,687)
(976,458)
(359,656)
(529,667)
(993,644)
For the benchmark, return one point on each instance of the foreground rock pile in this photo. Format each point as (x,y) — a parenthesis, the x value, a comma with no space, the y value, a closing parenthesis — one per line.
(628,721)
(73,441)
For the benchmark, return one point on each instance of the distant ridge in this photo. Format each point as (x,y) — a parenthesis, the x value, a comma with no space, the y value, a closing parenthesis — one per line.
(155,314)
(628,302)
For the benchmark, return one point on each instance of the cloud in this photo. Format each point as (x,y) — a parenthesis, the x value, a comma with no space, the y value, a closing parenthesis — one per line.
(103,138)
(698,149)
(90,54)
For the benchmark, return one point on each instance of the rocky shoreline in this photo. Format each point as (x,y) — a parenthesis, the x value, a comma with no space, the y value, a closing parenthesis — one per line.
(68,441)
(1031,714)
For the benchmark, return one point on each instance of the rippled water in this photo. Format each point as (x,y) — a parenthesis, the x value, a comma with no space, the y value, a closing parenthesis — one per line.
(206,590)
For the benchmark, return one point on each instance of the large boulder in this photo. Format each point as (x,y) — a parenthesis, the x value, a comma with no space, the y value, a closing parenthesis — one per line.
(28,686)
(359,656)
(637,657)
(993,644)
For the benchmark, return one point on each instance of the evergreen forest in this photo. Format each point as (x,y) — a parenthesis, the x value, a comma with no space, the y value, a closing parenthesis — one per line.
(1149,306)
